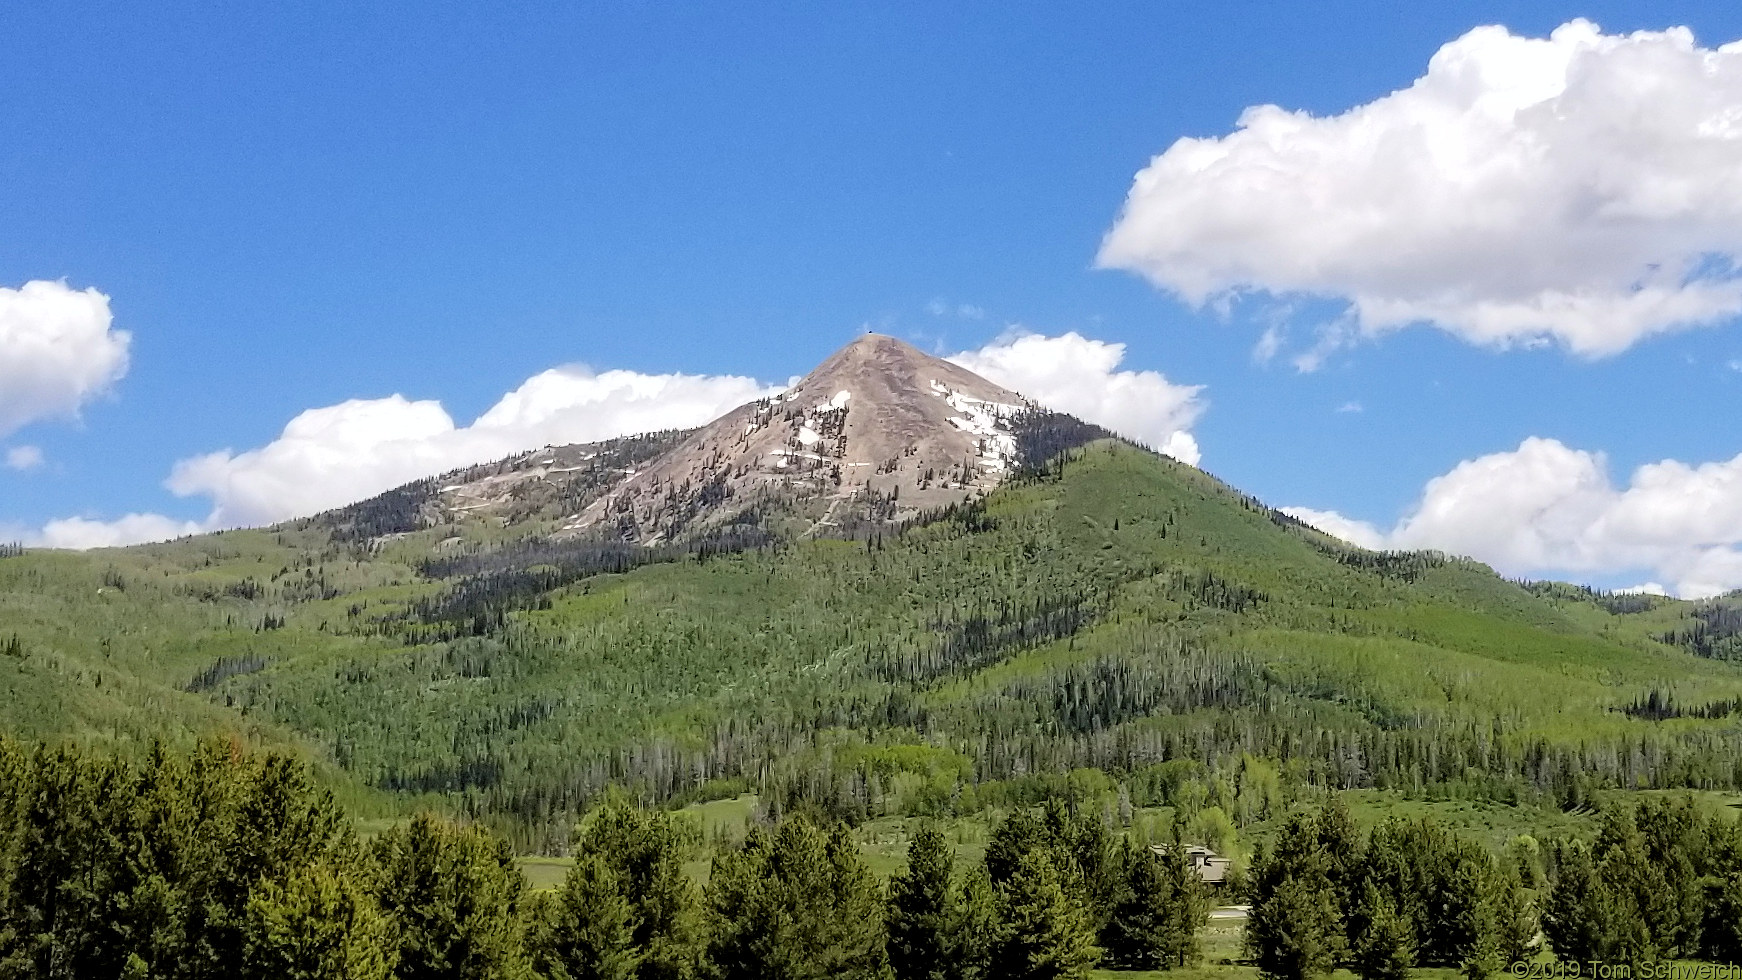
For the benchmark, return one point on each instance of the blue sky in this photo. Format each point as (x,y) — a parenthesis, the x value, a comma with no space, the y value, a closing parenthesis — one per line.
(287,209)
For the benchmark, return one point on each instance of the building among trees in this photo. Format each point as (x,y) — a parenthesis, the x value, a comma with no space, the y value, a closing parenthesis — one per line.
(1211,868)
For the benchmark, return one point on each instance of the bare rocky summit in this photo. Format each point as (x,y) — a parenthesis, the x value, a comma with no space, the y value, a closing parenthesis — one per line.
(878,433)
(879,429)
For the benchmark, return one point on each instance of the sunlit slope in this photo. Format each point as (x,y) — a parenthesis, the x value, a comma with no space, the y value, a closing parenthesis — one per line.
(118,647)
(1118,610)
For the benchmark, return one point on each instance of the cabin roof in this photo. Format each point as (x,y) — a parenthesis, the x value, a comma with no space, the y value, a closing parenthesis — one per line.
(1212,868)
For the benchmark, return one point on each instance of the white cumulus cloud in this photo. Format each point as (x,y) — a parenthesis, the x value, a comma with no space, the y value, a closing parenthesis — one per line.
(1548,509)
(1329,521)
(58,350)
(80,533)
(23,458)
(1584,189)
(1080,376)
(328,457)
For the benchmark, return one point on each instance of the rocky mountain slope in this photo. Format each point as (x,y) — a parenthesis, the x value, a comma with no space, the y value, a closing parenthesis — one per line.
(880,432)
(879,428)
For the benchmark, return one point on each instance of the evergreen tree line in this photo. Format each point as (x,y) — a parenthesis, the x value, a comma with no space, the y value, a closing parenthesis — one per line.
(220,864)
(224,668)
(1408,895)
(1075,717)
(1661,706)
(1044,437)
(1716,631)
(404,509)
(397,511)
(521,574)
(225,864)
(989,635)
(1055,896)
(1401,566)
(1660,882)
(1616,603)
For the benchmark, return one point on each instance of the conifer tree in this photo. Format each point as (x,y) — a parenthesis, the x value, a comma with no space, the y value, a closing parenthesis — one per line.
(1451,896)
(1515,921)
(281,821)
(1156,920)
(175,834)
(1721,929)
(1594,910)
(1721,941)
(1081,851)
(1136,933)
(1576,917)
(453,895)
(1018,834)
(975,931)
(1675,841)
(1637,906)
(795,904)
(1086,857)
(63,872)
(1398,863)
(1045,933)
(923,911)
(644,853)
(1465,933)
(1191,909)
(1339,842)
(1608,900)
(116,868)
(1483,959)
(1385,947)
(1295,929)
(318,925)
(587,931)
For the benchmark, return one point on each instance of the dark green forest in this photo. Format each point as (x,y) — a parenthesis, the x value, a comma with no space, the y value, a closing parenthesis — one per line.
(225,863)
(1661,882)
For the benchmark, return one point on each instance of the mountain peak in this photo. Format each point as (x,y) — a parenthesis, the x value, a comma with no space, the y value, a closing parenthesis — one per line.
(879,429)
(875,353)
(878,433)
(872,339)
(869,344)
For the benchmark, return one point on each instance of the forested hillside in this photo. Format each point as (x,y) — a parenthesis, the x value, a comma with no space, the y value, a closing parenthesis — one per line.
(1109,610)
